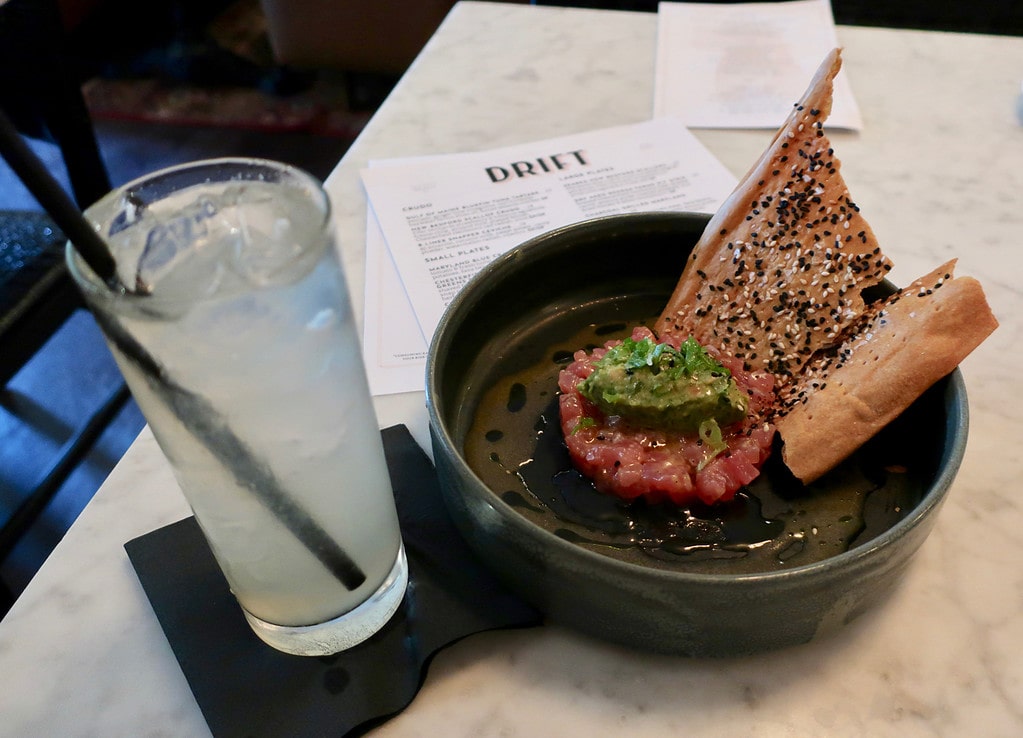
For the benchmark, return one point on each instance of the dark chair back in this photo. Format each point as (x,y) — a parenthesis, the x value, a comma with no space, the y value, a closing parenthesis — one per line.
(41,94)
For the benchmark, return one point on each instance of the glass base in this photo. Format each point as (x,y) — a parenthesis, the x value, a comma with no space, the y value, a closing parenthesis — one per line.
(344,631)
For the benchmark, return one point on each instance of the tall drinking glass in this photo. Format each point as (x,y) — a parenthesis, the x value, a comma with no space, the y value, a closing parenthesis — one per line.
(233,328)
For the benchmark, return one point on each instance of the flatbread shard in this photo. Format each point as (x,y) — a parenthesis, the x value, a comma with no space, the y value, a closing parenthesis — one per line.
(777,280)
(777,274)
(897,350)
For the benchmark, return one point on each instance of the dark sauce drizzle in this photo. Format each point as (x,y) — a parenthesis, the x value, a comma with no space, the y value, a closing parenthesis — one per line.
(775,523)
(659,530)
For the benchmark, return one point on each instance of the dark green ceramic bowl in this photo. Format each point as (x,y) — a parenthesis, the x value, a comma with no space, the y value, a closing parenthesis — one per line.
(525,309)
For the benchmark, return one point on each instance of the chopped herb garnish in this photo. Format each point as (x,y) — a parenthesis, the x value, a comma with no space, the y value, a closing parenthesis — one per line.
(658,385)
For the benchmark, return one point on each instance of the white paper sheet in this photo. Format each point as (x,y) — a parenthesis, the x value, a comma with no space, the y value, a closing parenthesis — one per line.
(744,65)
(435,222)
(393,345)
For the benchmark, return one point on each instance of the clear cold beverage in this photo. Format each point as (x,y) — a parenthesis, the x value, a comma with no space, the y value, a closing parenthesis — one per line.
(246,311)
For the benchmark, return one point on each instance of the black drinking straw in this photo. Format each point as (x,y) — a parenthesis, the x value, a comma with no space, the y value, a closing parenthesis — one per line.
(203,421)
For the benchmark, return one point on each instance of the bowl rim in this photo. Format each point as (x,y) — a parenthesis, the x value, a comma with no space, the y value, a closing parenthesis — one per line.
(948,464)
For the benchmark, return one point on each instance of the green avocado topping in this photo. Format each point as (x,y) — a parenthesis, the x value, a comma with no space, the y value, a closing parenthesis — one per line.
(659,386)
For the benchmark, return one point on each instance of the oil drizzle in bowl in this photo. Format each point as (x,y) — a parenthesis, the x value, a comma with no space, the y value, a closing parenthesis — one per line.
(660,530)
(515,445)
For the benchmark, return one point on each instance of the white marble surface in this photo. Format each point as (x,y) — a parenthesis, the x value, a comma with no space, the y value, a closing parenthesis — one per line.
(937,171)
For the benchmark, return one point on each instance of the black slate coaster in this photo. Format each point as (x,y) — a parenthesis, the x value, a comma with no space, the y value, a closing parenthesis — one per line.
(246,688)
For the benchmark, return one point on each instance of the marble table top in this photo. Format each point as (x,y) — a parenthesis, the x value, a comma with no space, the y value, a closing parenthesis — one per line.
(937,172)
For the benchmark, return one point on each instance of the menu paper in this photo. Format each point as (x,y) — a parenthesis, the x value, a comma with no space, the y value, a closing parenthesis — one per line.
(743,65)
(435,222)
